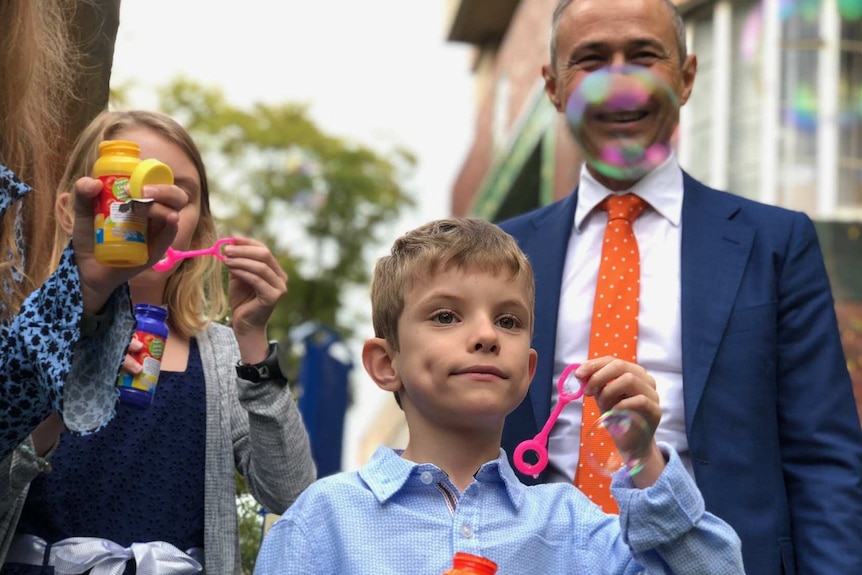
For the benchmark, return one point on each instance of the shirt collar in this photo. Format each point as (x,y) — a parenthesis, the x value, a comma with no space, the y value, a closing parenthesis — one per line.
(661,189)
(387,473)
(11,188)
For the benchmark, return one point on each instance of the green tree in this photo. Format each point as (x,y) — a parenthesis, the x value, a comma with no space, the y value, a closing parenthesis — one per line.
(317,200)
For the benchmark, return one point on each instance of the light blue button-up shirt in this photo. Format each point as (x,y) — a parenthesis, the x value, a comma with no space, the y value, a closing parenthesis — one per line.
(393,516)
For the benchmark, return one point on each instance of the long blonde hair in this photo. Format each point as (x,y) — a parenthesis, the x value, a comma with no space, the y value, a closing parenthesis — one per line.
(37,66)
(194,292)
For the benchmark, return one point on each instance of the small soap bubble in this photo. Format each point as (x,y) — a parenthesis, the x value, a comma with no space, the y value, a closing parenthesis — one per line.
(807,10)
(850,9)
(749,37)
(802,112)
(630,434)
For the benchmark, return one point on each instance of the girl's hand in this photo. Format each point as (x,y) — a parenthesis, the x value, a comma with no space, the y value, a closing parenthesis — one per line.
(130,364)
(256,284)
(97,280)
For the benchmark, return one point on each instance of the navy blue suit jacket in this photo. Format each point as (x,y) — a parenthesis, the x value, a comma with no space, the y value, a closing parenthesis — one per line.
(770,417)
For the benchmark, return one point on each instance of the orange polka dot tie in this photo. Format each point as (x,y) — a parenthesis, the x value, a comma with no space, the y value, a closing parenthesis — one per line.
(614,331)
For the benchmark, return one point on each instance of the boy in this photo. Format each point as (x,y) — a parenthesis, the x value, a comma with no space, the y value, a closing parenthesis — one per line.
(453,317)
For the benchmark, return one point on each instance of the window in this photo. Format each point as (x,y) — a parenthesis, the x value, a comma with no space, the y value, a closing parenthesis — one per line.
(698,135)
(746,97)
(776,113)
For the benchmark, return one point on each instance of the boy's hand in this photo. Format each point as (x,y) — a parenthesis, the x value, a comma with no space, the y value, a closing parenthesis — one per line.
(618,384)
(256,284)
(97,280)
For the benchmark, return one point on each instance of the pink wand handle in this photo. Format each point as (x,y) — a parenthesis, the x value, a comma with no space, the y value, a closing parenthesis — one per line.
(172,256)
(539,443)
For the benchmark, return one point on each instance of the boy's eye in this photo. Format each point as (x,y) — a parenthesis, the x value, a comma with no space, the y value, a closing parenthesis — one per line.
(509,322)
(444,317)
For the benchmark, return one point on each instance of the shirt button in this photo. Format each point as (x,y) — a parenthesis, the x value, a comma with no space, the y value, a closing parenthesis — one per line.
(466,532)
(426,477)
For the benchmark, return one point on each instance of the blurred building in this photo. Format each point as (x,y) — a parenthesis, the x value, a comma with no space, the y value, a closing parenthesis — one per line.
(775,115)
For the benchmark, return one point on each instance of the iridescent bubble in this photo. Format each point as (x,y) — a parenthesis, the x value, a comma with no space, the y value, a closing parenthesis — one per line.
(623,117)
(850,9)
(806,9)
(749,40)
(802,112)
(786,8)
(632,439)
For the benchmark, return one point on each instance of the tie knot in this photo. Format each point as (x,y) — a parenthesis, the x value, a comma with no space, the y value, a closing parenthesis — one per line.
(626,206)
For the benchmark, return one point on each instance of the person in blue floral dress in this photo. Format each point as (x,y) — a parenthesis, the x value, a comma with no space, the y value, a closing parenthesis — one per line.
(63,331)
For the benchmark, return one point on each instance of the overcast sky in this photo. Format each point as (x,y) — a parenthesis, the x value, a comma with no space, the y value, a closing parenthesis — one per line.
(378,71)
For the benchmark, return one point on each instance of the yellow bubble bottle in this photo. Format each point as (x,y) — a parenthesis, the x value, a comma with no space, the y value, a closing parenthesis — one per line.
(120,235)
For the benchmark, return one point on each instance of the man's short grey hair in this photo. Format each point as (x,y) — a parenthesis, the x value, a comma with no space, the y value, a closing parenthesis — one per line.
(678,24)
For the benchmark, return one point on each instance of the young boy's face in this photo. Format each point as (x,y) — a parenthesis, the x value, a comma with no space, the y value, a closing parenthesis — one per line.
(464,355)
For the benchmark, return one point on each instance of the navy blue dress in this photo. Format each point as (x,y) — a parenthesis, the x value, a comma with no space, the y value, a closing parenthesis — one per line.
(140,479)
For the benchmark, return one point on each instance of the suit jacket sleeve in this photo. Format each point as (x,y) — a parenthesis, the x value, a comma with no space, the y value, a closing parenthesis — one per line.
(820,438)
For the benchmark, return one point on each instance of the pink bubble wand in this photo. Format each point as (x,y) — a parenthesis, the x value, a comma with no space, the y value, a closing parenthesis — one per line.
(539,443)
(173,256)
(623,425)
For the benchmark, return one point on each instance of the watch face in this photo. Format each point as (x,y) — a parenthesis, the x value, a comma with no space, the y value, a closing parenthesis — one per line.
(262,372)
(267,369)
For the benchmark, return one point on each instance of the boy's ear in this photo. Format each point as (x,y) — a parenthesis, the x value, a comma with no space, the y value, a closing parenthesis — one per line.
(377,359)
(64,211)
(534,361)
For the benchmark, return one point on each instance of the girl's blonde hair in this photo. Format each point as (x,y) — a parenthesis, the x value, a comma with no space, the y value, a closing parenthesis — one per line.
(37,65)
(194,293)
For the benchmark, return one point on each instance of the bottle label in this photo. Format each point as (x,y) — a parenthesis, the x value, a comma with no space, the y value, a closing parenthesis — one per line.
(150,357)
(115,221)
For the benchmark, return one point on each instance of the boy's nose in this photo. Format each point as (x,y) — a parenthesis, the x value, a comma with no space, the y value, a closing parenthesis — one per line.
(485,338)
(489,347)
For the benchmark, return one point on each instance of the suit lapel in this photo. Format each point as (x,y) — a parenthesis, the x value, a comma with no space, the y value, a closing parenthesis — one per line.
(546,249)
(715,249)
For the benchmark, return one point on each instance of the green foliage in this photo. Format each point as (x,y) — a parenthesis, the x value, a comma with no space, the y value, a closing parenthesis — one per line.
(250,525)
(317,200)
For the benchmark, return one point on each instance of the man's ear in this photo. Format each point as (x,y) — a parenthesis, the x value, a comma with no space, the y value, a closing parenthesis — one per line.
(64,211)
(689,71)
(551,87)
(377,359)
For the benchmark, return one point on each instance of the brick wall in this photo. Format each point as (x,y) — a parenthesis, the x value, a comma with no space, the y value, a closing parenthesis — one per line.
(520,58)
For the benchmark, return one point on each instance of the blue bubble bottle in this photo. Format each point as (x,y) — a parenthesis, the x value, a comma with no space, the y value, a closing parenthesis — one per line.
(151,330)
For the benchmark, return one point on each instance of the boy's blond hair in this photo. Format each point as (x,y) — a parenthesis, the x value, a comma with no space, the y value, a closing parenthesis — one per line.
(194,294)
(466,244)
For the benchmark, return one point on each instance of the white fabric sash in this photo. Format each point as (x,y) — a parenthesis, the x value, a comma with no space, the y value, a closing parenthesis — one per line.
(77,555)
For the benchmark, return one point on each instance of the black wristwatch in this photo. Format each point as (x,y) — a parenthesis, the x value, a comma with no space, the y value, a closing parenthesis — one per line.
(268,369)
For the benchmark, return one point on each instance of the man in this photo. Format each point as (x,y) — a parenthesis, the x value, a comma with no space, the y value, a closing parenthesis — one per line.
(736,318)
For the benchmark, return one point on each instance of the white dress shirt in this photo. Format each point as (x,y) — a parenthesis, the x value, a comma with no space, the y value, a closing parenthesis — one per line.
(659,351)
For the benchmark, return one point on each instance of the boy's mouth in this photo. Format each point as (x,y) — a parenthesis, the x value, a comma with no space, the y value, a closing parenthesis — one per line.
(480,370)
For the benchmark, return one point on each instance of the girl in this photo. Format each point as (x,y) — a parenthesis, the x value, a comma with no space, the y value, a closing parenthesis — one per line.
(157,485)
